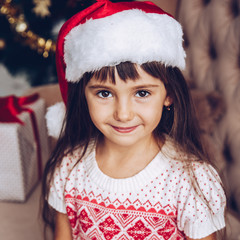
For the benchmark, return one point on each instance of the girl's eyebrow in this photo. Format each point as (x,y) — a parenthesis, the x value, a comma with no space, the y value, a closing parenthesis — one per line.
(98,86)
(146,86)
(95,86)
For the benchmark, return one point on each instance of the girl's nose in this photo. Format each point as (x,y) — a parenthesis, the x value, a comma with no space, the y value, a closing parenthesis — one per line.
(123,111)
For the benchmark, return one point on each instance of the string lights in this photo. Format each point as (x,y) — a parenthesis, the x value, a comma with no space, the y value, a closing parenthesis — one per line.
(18,24)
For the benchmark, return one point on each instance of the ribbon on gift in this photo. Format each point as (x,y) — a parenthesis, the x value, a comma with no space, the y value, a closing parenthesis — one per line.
(11,107)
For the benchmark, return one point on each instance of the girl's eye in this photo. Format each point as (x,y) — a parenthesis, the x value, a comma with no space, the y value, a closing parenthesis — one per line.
(104,94)
(142,93)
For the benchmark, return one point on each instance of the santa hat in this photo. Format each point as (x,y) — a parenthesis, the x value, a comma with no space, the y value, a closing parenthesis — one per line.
(106,34)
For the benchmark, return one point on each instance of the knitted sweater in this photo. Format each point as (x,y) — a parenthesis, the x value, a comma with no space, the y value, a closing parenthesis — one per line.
(157,203)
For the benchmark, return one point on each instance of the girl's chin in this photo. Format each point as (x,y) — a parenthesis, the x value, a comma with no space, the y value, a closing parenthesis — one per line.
(127,141)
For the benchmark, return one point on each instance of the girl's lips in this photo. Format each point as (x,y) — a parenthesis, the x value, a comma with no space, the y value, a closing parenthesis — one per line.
(124,129)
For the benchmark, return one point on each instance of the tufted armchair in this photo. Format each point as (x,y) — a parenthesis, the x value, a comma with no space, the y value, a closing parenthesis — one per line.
(212,42)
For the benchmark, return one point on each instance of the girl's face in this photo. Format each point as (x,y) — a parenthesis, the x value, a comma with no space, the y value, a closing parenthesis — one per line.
(127,112)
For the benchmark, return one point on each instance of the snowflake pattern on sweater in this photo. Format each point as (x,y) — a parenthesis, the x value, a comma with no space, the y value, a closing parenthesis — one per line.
(156,203)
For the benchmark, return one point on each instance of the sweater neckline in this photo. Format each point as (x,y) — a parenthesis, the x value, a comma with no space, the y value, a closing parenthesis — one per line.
(139,180)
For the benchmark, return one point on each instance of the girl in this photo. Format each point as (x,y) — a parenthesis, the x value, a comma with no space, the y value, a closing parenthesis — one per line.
(129,163)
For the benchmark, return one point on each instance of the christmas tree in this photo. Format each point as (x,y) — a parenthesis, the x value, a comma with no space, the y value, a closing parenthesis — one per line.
(28,33)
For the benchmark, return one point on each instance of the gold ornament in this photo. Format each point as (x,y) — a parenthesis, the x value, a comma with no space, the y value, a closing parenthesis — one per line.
(42,8)
(21,27)
(2,44)
(17,21)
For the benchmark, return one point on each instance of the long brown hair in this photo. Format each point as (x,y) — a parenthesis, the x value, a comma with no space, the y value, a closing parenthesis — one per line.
(179,123)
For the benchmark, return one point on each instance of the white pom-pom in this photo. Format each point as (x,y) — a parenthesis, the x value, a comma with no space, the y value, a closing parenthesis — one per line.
(55,116)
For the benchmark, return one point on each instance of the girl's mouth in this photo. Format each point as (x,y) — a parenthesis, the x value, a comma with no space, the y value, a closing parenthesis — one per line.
(124,129)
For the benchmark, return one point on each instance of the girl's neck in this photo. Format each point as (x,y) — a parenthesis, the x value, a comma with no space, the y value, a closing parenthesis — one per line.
(125,161)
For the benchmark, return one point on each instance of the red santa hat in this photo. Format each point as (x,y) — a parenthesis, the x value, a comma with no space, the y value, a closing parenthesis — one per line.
(106,34)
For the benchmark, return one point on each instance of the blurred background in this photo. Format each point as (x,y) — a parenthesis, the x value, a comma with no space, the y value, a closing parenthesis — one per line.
(28,31)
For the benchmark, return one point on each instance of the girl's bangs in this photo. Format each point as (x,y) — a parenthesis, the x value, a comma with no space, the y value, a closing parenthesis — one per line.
(125,71)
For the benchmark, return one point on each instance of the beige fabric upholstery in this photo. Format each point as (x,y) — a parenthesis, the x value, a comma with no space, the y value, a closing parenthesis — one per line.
(212,41)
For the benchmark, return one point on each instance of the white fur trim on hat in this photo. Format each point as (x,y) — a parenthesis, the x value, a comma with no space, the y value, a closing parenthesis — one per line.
(130,35)
(54,117)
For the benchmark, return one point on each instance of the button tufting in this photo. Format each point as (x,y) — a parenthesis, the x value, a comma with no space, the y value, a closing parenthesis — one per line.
(206,2)
(212,51)
(227,153)
(234,7)
(186,42)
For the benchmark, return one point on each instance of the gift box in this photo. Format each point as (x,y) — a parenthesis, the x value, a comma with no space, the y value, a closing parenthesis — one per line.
(24,147)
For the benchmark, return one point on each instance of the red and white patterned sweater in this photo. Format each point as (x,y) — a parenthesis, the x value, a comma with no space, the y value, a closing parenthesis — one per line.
(157,203)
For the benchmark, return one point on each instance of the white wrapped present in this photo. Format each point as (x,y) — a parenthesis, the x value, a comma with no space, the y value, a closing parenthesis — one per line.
(24,147)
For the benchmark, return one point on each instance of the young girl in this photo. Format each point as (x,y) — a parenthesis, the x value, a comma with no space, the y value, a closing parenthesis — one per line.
(129,163)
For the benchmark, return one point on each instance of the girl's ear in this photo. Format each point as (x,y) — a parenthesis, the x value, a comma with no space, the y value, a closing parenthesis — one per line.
(168,101)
